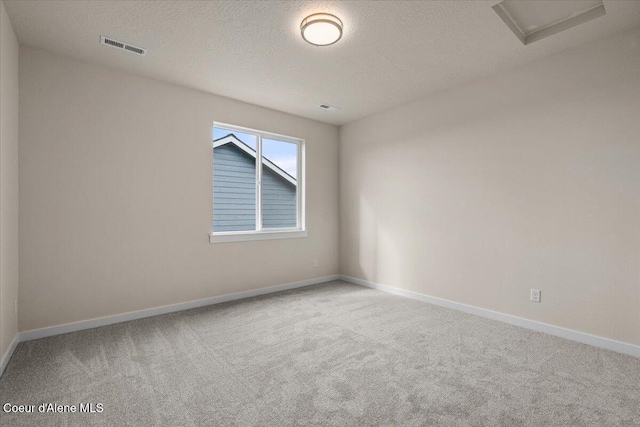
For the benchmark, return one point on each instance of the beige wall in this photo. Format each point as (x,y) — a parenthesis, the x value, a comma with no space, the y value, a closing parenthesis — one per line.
(528,179)
(8,181)
(115,195)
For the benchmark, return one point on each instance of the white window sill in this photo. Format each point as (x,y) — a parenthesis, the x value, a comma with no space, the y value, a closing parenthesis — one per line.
(245,236)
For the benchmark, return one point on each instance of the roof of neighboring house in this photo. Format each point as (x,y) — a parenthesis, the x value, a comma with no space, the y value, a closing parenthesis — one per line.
(232,139)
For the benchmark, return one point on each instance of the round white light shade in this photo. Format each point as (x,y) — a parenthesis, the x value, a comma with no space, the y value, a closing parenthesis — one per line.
(321,29)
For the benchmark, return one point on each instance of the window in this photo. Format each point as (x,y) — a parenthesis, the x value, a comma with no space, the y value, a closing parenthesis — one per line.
(258,185)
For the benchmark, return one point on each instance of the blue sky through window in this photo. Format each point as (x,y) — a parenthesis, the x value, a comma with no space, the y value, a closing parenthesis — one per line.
(283,154)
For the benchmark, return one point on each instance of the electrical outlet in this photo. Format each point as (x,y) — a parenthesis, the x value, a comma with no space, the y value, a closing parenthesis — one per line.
(315,263)
(535,295)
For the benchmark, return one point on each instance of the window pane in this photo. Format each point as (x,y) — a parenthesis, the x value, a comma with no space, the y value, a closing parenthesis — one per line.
(279,184)
(234,180)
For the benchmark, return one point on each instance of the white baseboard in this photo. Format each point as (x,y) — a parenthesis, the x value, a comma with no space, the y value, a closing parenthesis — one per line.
(581,337)
(7,354)
(125,317)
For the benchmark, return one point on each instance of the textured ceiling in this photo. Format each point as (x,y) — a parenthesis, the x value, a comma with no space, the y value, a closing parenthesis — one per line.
(392,52)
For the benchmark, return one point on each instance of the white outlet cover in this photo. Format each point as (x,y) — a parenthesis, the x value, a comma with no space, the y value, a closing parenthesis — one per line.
(535,295)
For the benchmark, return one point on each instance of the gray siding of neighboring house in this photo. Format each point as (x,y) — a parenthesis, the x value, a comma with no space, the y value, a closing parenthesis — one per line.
(278,201)
(234,189)
(234,193)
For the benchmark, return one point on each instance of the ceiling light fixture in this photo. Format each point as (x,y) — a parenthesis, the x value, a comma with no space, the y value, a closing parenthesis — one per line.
(321,29)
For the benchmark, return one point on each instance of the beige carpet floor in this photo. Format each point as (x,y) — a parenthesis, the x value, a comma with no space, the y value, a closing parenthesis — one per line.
(334,354)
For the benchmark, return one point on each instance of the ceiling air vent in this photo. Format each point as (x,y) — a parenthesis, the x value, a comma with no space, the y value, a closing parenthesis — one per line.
(329,108)
(122,46)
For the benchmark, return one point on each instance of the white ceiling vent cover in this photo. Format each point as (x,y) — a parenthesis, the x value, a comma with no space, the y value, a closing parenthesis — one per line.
(330,108)
(108,41)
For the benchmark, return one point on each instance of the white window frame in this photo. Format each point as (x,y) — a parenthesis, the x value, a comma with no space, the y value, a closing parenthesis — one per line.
(260,233)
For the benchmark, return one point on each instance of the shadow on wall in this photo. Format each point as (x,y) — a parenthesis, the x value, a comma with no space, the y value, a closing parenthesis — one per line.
(379,258)
(367,241)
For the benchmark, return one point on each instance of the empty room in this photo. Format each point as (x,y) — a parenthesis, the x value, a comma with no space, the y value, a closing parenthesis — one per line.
(320,213)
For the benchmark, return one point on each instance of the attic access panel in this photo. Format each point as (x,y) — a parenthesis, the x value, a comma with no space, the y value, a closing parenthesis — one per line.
(531,21)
